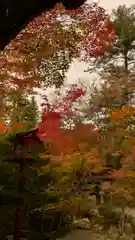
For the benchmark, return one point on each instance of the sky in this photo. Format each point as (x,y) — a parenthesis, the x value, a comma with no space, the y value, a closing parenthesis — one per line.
(76,71)
(109,5)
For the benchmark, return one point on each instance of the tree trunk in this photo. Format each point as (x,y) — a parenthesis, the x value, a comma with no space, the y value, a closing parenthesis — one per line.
(126,62)
(97,193)
(20,213)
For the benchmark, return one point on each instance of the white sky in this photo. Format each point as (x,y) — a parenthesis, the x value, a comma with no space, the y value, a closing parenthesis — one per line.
(109,5)
(76,71)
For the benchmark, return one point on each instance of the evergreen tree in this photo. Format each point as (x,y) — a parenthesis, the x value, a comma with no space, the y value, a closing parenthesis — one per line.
(22,110)
(124,21)
(31,113)
(17,190)
(119,55)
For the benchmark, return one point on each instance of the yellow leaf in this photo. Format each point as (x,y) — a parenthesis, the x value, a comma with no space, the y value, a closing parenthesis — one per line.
(131,174)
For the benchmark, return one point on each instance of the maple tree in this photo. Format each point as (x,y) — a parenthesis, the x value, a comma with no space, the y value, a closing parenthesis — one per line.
(15,17)
(47,128)
(100,32)
(43,51)
(42,48)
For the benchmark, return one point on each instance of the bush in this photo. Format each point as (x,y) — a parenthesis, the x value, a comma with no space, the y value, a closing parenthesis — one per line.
(109,216)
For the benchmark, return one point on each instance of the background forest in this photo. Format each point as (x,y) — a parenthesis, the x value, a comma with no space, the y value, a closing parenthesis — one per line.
(86,131)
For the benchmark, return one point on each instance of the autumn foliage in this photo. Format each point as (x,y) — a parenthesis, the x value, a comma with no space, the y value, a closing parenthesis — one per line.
(83,139)
(14,17)
(101,31)
(84,142)
(123,115)
(50,127)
